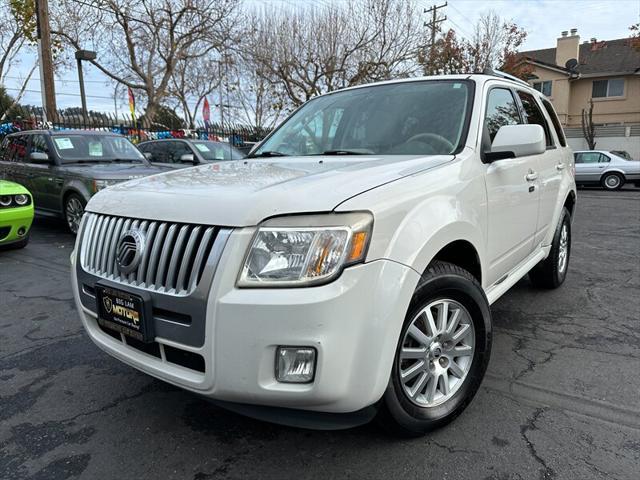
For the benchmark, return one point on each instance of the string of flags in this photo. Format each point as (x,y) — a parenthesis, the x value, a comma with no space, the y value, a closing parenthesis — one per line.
(136,135)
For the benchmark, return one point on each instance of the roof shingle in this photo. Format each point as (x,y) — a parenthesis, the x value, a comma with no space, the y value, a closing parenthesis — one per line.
(609,56)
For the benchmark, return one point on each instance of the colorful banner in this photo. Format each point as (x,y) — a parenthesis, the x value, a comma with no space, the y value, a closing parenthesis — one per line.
(206,112)
(132,104)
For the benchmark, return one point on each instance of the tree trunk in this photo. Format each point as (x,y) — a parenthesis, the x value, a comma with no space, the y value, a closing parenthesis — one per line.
(588,129)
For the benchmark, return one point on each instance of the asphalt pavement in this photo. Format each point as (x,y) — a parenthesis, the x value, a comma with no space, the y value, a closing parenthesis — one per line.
(561,399)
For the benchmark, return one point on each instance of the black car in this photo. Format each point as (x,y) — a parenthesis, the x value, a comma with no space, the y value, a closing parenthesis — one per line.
(178,153)
(63,169)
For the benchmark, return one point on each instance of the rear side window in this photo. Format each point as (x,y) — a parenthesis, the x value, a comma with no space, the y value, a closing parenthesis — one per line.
(534,114)
(39,144)
(501,110)
(16,150)
(556,122)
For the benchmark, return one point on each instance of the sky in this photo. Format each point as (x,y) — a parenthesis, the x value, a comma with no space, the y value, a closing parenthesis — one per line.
(544,20)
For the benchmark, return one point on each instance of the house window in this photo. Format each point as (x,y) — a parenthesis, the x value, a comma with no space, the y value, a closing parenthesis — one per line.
(544,87)
(608,88)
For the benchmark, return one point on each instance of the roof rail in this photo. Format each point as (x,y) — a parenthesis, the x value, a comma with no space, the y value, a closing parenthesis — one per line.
(498,73)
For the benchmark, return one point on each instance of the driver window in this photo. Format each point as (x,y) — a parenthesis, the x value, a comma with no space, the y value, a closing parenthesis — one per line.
(501,110)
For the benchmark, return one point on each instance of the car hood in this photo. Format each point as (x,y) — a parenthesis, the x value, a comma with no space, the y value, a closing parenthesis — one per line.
(113,171)
(245,192)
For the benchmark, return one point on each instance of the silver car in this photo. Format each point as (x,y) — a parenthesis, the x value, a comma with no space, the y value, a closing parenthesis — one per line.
(601,167)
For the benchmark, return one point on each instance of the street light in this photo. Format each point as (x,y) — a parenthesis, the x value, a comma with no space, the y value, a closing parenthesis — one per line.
(83,55)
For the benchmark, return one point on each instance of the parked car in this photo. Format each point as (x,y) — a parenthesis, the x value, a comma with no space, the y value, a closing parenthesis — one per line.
(63,169)
(180,153)
(340,272)
(601,167)
(16,215)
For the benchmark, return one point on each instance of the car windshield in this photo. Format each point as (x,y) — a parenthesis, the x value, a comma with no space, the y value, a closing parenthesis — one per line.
(95,148)
(212,151)
(409,118)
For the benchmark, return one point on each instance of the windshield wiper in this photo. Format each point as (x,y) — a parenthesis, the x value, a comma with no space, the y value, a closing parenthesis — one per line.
(344,152)
(268,153)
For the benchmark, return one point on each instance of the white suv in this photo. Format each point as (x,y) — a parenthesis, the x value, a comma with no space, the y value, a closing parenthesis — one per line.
(346,268)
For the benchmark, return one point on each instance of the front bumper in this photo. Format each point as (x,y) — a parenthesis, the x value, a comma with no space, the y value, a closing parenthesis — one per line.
(354,324)
(11,220)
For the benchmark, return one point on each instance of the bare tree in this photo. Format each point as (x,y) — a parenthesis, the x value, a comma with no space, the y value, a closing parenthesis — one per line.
(314,50)
(17,18)
(140,43)
(255,100)
(191,82)
(494,43)
(588,128)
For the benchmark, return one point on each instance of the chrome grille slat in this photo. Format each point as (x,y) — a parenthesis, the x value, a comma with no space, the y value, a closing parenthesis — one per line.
(142,269)
(105,251)
(167,247)
(175,255)
(111,257)
(131,276)
(187,259)
(200,257)
(97,241)
(155,254)
(173,259)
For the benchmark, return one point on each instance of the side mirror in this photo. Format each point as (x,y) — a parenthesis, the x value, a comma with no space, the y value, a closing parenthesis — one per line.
(514,141)
(148,155)
(39,157)
(188,158)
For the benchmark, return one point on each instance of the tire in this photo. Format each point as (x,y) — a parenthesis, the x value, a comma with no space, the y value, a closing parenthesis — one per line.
(410,415)
(612,181)
(552,271)
(73,210)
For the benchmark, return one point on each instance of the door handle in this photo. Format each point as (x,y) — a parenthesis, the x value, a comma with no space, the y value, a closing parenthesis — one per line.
(531,176)
(560,166)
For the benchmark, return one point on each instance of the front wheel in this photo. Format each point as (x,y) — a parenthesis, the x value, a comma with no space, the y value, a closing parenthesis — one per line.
(442,353)
(73,211)
(551,272)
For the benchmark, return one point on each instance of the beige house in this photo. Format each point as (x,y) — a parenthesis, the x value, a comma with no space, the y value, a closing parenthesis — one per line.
(572,73)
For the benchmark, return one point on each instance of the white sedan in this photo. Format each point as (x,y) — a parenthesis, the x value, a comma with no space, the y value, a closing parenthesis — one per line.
(601,167)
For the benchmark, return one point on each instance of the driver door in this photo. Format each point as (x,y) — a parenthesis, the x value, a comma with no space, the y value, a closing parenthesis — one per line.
(512,192)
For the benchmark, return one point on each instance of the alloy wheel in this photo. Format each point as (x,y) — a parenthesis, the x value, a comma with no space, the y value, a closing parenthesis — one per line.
(563,251)
(436,353)
(74,211)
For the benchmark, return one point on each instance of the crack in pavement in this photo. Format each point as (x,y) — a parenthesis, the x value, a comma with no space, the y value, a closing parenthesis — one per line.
(546,472)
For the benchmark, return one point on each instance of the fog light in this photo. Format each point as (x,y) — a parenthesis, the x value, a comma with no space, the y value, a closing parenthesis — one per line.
(295,364)
(22,231)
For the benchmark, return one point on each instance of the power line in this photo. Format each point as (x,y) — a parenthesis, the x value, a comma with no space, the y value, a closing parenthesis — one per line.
(59,93)
(61,80)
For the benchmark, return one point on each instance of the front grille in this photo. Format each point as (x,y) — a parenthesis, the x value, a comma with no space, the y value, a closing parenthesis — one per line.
(4,232)
(172,261)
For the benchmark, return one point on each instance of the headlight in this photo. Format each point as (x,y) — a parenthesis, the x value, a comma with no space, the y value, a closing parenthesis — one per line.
(5,200)
(102,184)
(21,200)
(305,250)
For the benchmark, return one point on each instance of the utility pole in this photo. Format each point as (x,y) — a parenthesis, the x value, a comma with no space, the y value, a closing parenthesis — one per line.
(47,86)
(433,25)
